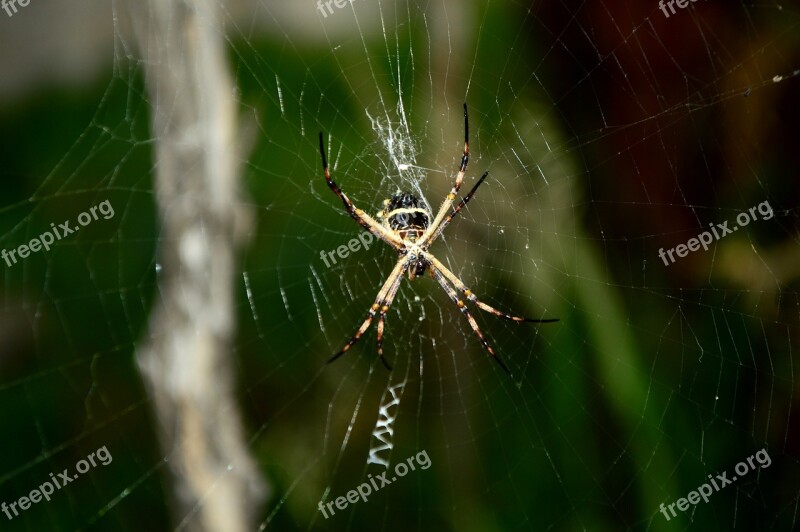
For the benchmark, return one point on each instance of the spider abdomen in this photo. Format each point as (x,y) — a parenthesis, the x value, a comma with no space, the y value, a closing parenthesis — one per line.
(404,215)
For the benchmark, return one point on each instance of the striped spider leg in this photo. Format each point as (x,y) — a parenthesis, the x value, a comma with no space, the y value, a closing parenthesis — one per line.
(442,274)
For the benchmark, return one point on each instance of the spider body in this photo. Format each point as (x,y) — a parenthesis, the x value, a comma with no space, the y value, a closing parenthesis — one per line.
(407,227)
(404,215)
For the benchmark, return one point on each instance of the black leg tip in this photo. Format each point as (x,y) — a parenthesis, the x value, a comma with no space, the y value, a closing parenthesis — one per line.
(322,151)
(385,363)
(548,320)
(502,365)
(334,357)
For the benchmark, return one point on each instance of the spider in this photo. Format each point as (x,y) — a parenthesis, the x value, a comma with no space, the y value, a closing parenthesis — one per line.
(406,226)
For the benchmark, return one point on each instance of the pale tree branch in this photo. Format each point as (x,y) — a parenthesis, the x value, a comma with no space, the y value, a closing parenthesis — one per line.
(185,357)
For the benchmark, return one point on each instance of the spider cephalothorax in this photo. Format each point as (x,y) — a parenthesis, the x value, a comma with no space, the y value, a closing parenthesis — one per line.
(408,228)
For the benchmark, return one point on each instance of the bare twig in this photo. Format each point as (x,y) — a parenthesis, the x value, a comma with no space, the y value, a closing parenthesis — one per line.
(185,358)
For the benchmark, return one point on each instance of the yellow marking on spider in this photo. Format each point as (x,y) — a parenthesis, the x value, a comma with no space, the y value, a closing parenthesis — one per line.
(460,304)
(406,210)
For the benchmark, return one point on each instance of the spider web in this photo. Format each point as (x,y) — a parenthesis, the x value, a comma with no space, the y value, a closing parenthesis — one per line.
(609,130)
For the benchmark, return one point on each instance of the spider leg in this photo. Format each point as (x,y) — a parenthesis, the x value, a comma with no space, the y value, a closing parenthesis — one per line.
(364,220)
(382,303)
(448,202)
(463,308)
(382,317)
(473,298)
(453,214)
